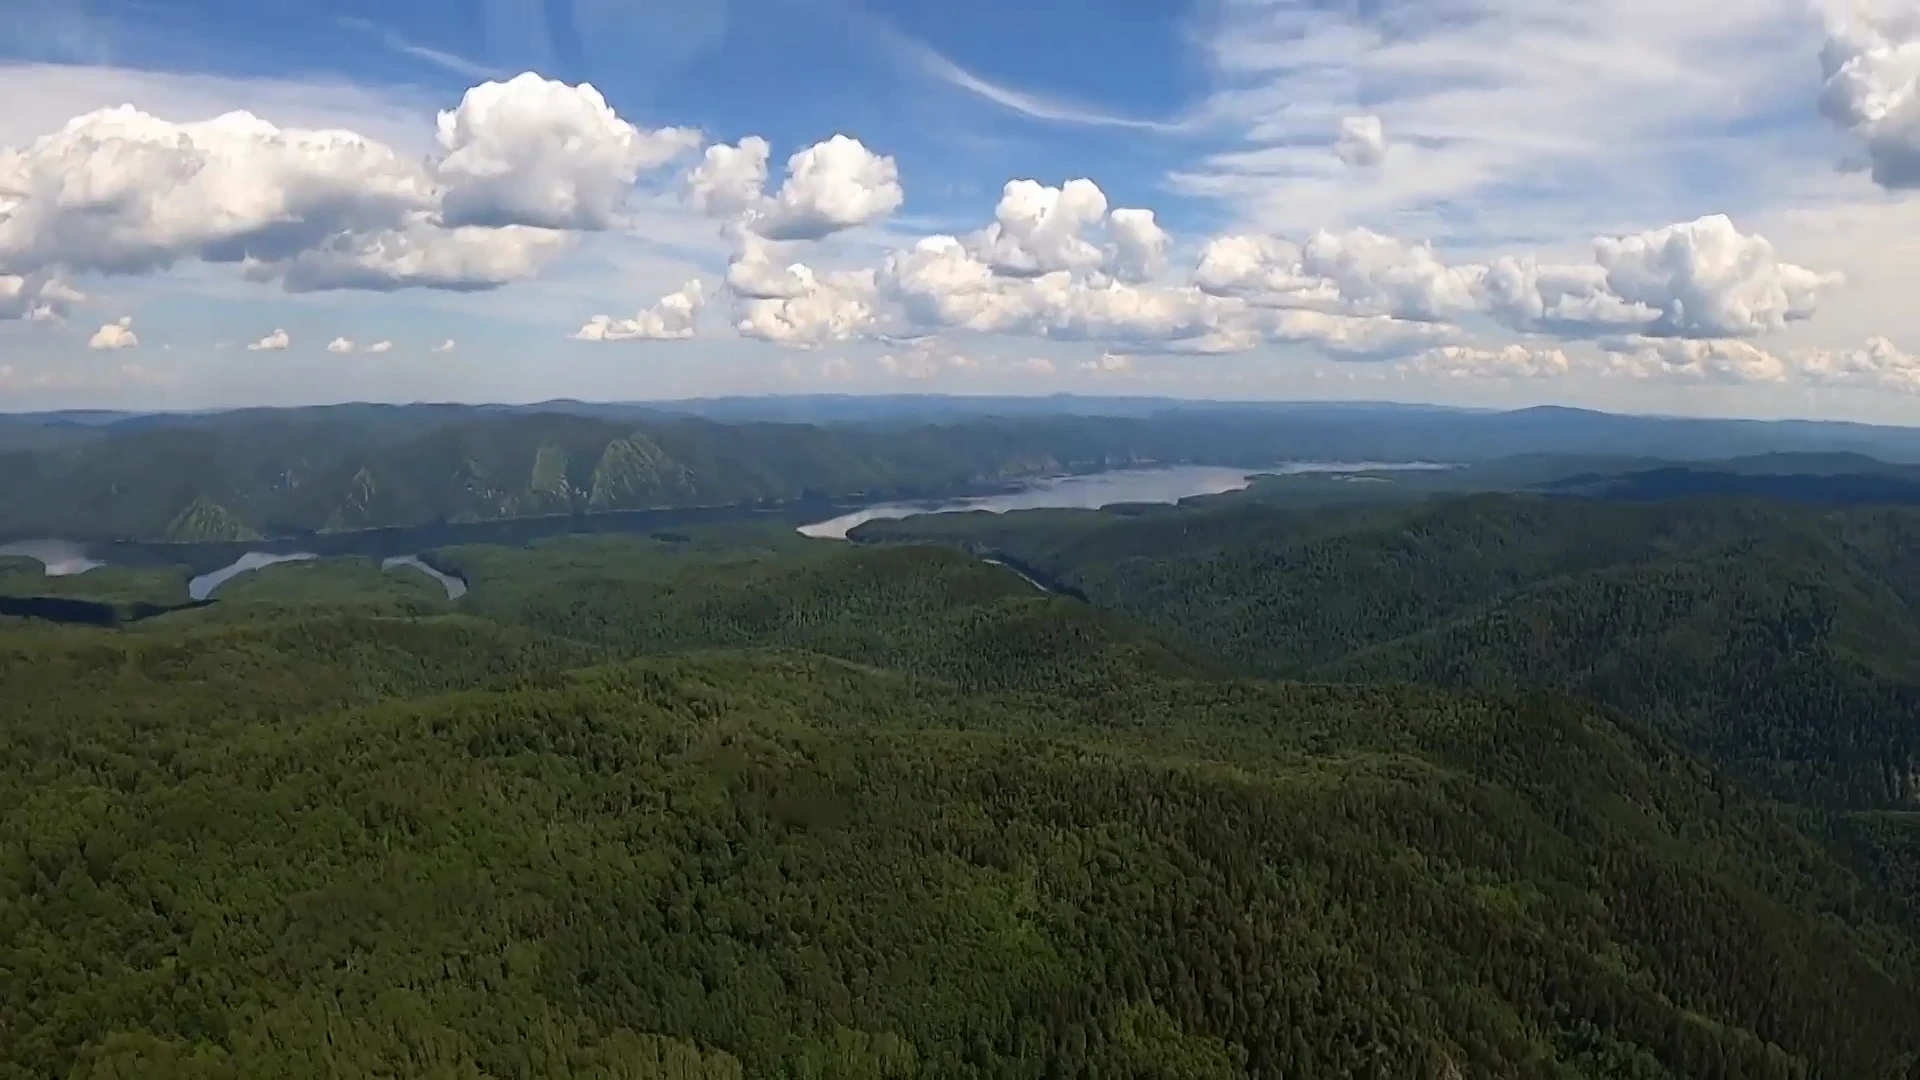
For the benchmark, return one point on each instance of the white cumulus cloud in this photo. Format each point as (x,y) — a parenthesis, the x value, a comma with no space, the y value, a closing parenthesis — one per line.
(446,346)
(522,166)
(1059,306)
(523,163)
(730,181)
(1039,229)
(836,306)
(1718,359)
(121,191)
(420,255)
(1353,337)
(534,151)
(273,342)
(755,274)
(1358,272)
(1502,362)
(346,345)
(1872,66)
(939,284)
(1380,275)
(1520,291)
(1055,262)
(673,318)
(943,283)
(1139,244)
(830,186)
(1879,364)
(1707,279)
(115,335)
(1698,279)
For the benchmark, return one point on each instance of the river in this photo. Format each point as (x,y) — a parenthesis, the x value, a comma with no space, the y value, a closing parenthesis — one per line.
(61,558)
(214,564)
(456,586)
(1165,485)
(201,588)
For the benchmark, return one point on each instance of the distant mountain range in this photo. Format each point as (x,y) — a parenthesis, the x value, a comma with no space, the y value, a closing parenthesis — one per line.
(247,473)
(1852,481)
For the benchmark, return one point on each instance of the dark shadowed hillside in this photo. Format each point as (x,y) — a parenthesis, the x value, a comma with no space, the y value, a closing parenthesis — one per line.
(414,844)
(1781,640)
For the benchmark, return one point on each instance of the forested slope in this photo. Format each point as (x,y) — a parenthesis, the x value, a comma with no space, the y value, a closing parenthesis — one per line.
(926,611)
(243,476)
(1784,642)
(733,803)
(455,861)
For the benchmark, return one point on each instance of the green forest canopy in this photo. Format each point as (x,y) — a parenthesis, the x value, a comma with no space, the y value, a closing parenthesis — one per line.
(733,803)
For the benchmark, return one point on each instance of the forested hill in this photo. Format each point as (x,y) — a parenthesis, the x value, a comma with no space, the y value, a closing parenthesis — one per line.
(248,475)
(585,823)
(1781,640)
(240,475)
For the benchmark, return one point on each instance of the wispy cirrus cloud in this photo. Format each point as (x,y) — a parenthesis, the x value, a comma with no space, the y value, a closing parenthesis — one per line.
(459,65)
(1509,115)
(1031,105)
(925,60)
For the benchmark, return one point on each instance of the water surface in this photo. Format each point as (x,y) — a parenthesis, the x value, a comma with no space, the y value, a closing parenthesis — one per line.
(202,587)
(1168,485)
(1093,491)
(60,557)
(455,587)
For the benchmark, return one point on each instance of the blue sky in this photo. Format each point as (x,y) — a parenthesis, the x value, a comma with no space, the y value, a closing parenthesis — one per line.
(793,71)
(1666,206)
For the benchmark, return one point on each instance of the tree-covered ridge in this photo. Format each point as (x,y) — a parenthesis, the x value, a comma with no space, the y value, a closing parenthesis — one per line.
(244,476)
(928,611)
(20,576)
(457,862)
(1779,641)
(204,520)
(277,472)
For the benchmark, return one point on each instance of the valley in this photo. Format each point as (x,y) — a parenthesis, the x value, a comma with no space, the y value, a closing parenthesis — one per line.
(1408,773)
(224,560)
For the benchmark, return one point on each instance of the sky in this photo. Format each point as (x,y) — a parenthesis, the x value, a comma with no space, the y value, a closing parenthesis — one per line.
(1703,207)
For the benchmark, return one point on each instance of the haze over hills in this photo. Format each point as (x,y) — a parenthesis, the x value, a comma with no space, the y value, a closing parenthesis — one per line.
(250,473)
